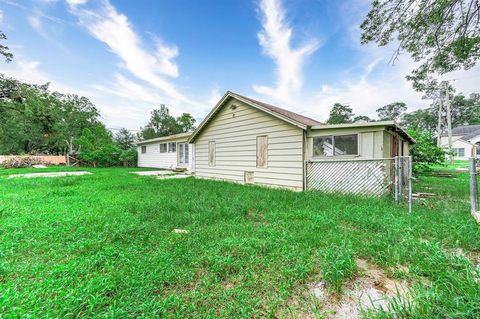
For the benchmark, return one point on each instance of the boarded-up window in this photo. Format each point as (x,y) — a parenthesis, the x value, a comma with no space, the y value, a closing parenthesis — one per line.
(144,149)
(262,151)
(211,153)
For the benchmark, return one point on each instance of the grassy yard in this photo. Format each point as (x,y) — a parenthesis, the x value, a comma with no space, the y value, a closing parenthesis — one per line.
(102,245)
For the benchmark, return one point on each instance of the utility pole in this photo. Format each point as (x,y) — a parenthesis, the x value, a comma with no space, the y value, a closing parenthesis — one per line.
(449,122)
(444,117)
(440,116)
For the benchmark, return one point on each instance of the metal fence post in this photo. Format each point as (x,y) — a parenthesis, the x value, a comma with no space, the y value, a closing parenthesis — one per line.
(410,169)
(473,188)
(395,186)
(400,178)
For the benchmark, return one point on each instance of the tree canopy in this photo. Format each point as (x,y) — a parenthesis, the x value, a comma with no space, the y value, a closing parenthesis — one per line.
(392,111)
(340,114)
(4,50)
(443,35)
(163,124)
(35,120)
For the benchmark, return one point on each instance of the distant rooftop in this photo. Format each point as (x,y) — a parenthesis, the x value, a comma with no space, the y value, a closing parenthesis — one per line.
(467,132)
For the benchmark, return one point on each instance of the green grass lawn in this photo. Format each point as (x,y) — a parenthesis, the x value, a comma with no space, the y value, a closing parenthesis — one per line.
(102,245)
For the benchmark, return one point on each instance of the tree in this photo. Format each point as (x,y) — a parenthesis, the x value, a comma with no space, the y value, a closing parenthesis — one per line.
(391,112)
(4,50)
(185,122)
(163,124)
(423,120)
(361,119)
(97,147)
(34,120)
(125,139)
(443,35)
(464,111)
(340,113)
(425,151)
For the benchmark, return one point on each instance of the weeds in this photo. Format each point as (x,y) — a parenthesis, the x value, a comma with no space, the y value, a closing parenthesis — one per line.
(102,245)
(337,265)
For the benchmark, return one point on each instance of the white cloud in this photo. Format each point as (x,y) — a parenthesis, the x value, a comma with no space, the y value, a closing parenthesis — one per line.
(114,29)
(275,40)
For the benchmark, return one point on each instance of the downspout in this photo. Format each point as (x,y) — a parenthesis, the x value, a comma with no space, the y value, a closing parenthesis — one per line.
(304,148)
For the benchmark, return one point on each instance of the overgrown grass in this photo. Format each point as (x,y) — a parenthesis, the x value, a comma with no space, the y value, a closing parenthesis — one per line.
(102,245)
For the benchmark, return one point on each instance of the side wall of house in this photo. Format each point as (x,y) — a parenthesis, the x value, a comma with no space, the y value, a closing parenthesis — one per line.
(234,130)
(154,159)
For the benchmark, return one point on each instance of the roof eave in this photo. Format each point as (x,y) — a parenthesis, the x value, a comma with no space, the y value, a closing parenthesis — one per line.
(230,94)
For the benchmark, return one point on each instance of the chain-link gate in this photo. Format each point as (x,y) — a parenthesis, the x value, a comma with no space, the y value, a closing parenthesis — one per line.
(365,177)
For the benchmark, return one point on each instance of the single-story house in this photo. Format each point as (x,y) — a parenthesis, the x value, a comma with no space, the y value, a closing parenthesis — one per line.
(465,141)
(248,141)
(168,152)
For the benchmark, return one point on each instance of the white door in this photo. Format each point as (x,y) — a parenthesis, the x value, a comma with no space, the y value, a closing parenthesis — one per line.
(183,154)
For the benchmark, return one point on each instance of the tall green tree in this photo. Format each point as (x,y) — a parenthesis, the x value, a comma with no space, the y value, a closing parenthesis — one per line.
(4,50)
(361,118)
(442,35)
(465,110)
(125,139)
(340,114)
(391,112)
(163,124)
(35,120)
(97,147)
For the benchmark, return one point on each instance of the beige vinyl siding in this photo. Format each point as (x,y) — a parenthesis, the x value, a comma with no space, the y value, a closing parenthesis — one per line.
(235,133)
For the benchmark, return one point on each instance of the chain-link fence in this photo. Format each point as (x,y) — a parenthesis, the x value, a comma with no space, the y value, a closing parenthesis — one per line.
(366,177)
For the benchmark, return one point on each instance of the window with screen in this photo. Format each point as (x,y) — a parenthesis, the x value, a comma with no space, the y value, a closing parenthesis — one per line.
(335,145)
(144,149)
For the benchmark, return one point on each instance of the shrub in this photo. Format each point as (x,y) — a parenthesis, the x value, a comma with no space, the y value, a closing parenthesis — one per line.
(425,152)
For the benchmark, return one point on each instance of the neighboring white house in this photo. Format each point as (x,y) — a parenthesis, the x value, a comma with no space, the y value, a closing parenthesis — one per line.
(465,141)
(168,152)
(248,141)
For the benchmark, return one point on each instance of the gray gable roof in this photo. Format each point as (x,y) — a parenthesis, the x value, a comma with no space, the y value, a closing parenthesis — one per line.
(465,129)
(471,135)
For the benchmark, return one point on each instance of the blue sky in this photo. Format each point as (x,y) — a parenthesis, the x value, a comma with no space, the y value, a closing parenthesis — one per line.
(130,56)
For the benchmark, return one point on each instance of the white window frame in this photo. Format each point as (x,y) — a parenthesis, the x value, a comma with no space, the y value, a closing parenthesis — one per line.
(333,146)
(183,153)
(457,151)
(143,149)
(164,150)
(170,147)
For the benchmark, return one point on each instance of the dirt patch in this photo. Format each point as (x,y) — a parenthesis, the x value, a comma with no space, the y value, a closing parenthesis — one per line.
(370,290)
(56,174)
